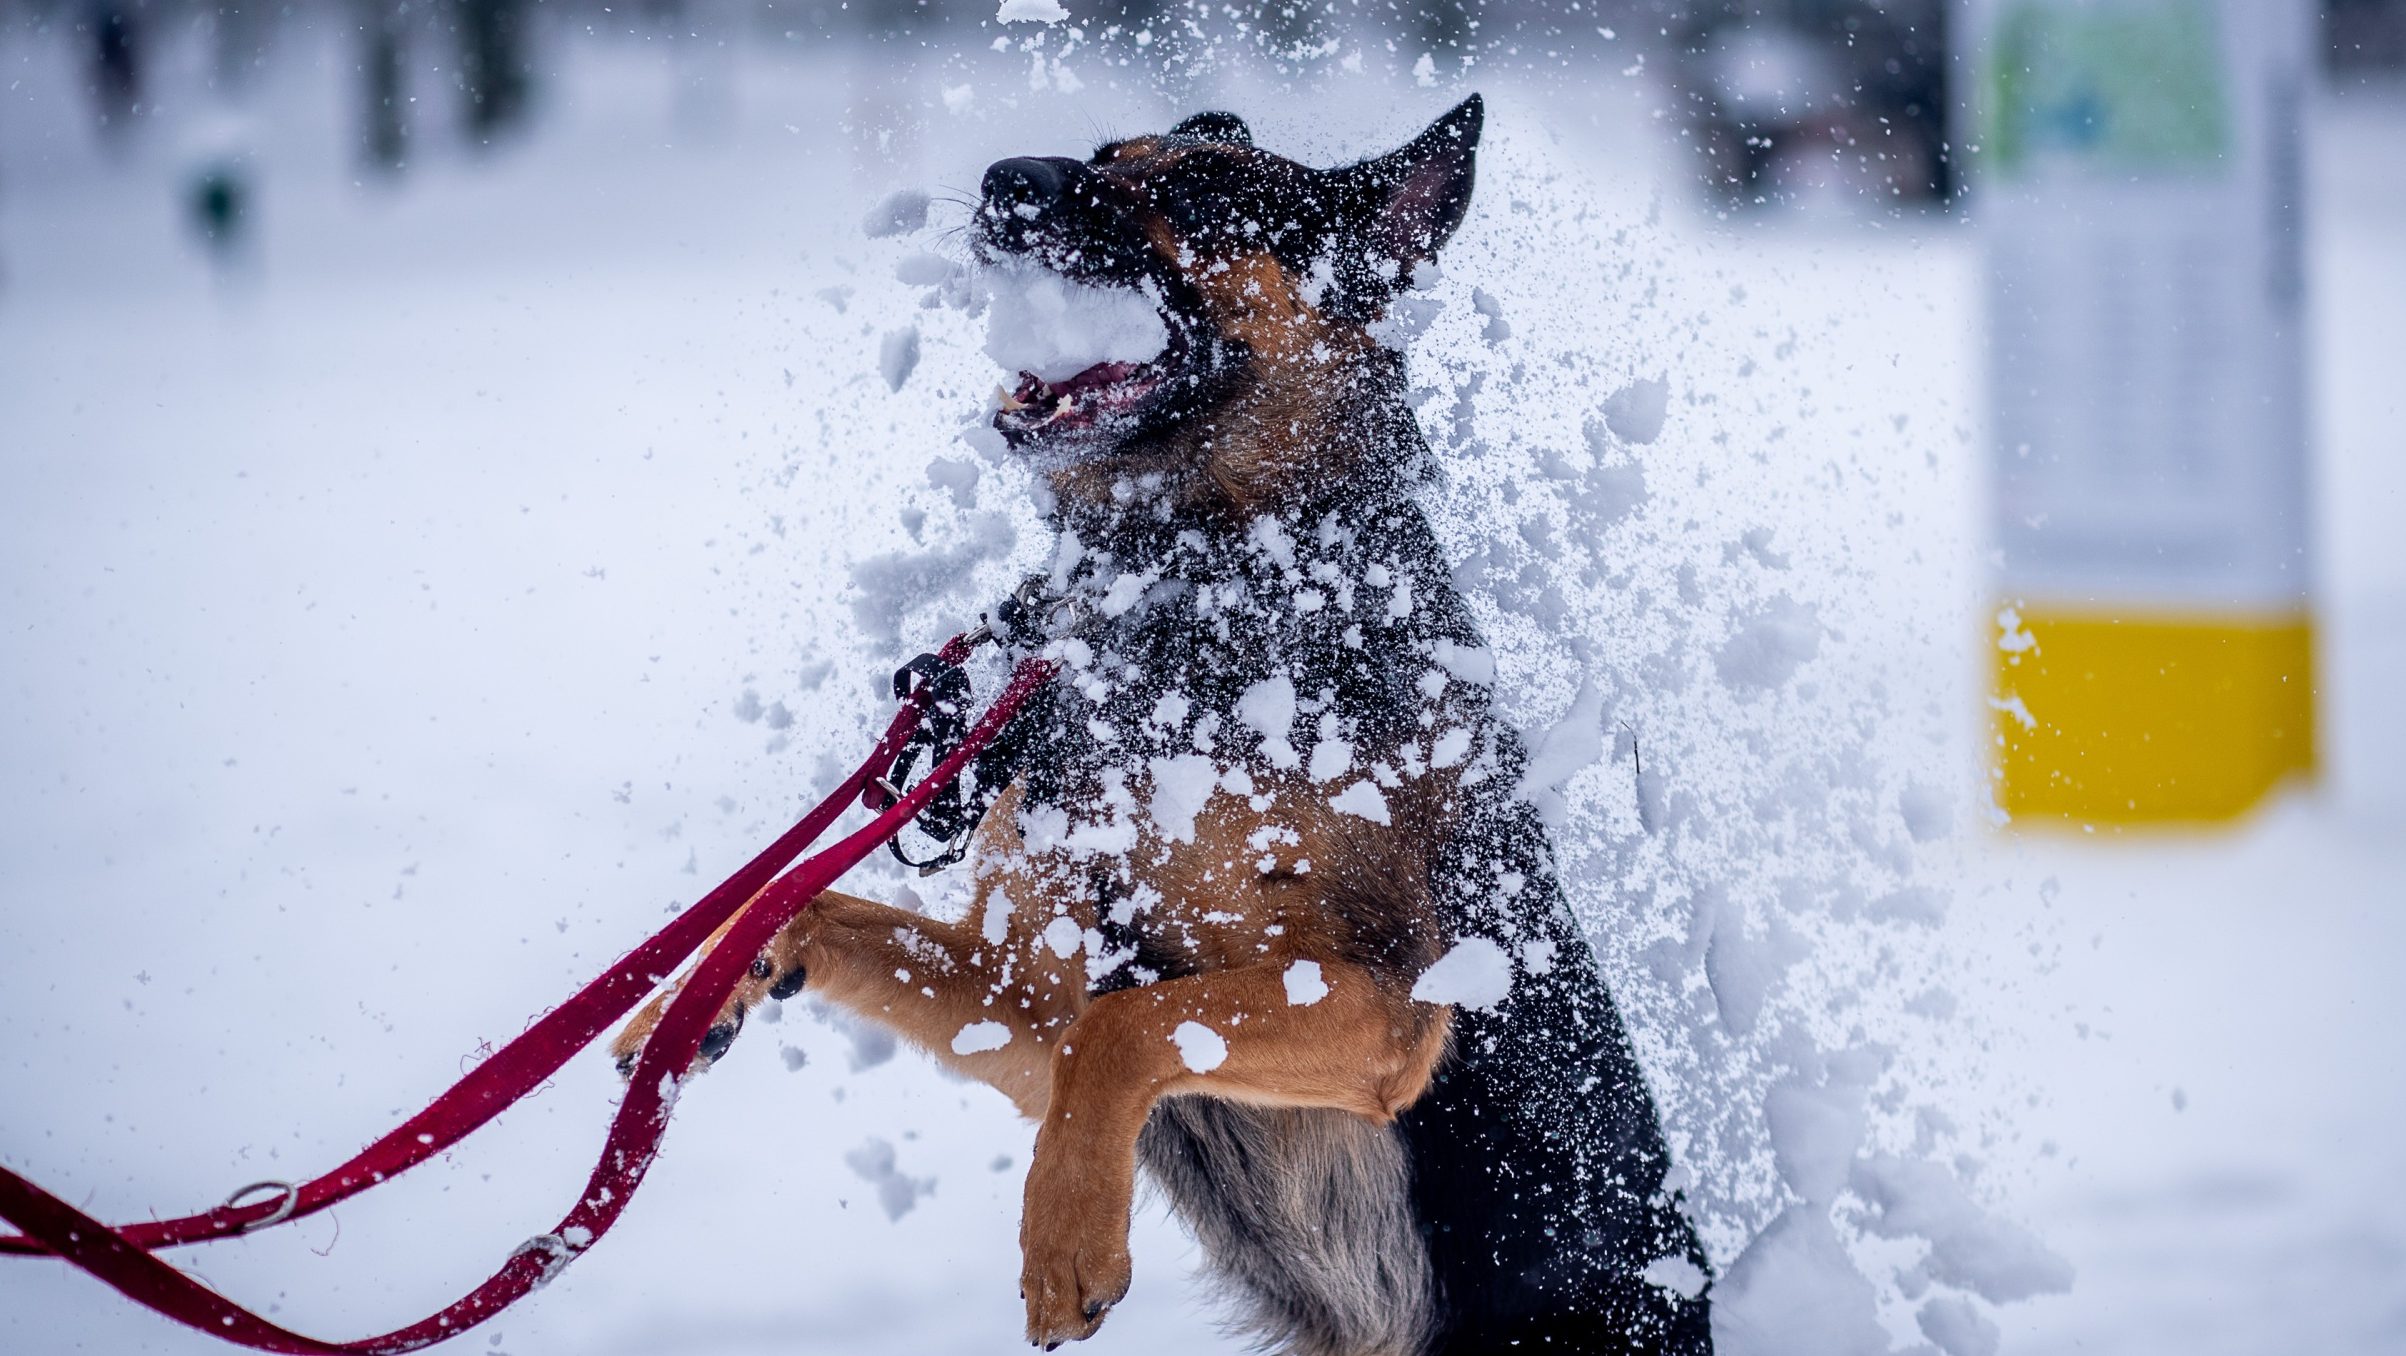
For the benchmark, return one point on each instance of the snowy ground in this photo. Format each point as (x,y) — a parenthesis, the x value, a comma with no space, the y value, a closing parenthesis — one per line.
(378,618)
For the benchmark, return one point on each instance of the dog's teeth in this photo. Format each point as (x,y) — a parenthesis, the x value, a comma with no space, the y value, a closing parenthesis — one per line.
(1061,406)
(1009,402)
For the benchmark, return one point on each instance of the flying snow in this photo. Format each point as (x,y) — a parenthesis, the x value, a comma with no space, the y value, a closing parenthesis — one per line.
(1201,1048)
(1305,986)
(979,1037)
(1475,974)
(1042,323)
(1030,11)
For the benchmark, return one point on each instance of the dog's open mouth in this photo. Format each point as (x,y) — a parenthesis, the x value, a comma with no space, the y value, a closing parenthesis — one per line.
(1090,361)
(1104,395)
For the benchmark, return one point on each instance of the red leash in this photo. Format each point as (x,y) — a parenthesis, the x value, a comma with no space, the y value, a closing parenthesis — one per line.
(124,1257)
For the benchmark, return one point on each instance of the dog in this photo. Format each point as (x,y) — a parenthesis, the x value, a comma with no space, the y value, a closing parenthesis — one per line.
(1270,792)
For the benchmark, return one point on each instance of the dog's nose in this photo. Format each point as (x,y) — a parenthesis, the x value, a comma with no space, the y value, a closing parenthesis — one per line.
(1024,181)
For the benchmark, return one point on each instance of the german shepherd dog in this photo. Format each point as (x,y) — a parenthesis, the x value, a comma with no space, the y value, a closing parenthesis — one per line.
(1269,793)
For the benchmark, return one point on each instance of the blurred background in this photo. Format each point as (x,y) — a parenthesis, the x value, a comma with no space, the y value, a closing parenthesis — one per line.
(436,438)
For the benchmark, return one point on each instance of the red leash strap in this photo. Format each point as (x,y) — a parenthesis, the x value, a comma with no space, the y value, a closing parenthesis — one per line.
(125,1262)
(538,1052)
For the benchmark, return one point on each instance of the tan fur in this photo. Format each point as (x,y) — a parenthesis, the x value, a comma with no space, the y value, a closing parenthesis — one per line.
(1089,1069)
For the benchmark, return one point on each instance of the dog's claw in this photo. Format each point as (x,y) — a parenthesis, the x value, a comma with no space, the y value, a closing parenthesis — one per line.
(716,1041)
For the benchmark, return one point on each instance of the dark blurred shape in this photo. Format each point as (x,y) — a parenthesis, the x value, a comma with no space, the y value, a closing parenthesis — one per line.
(383,86)
(116,55)
(1783,100)
(219,201)
(2364,35)
(494,71)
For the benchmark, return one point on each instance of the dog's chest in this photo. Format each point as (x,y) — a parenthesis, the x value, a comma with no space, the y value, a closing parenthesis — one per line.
(1228,744)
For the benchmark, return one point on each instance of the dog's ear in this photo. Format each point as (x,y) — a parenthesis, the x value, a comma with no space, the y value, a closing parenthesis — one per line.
(1406,204)
(1226,128)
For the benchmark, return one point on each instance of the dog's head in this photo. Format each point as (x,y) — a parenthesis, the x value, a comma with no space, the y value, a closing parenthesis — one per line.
(1266,273)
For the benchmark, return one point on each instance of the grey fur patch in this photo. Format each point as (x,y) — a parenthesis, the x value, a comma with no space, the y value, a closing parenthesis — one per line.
(1305,1217)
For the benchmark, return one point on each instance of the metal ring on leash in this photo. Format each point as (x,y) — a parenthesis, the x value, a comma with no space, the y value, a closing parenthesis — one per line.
(282,1212)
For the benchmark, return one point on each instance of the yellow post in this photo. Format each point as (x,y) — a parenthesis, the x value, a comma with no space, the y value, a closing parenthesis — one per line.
(2135,717)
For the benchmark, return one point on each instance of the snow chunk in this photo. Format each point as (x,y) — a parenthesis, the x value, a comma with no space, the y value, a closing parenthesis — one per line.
(1795,1290)
(995,924)
(1956,1327)
(1767,646)
(1030,11)
(1676,1274)
(1362,799)
(1969,1248)
(1304,984)
(1574,742)
(1635,412)
(1182,786)
(1471,665)
(898,356)
(898,213)
(1269,707)
(1928,816)
(1331,759)
(1815,1129)
(978,1037)
(873,1162)
(1064,936)
(1038,321)
(1475,974)
(1202,1048)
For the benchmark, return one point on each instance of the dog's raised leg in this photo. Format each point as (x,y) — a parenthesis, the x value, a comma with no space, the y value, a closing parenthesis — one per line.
(1361,1047)
(984,1008)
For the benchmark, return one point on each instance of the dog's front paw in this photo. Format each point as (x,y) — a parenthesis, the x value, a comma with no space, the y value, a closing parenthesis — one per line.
(763,980)
(1073,1255)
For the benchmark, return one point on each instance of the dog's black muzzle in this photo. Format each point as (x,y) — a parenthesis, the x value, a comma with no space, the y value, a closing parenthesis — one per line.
(1066,215)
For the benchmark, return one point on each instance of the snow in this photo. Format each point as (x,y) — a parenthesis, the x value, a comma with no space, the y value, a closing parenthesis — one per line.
(1475,973)
(1769,645)
(1041,322)
(1200,1048)
(901,212)
(977,1038)
(1677,1275)
(1635,412)
(1269,708)
(1969,1247)
(1362,800)
(1956,1326)
(1182,786)
(401,589)
(875,1162)
(1795,1289)
(1030,11)
(898,356)
(1304,984)
(1063,937)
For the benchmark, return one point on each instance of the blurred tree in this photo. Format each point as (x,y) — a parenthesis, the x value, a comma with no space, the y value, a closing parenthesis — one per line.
(115,36)
(494,71)
(384,93)
(2364,35)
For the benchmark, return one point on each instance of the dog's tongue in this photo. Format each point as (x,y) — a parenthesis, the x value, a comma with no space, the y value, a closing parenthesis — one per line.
(1044,325)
